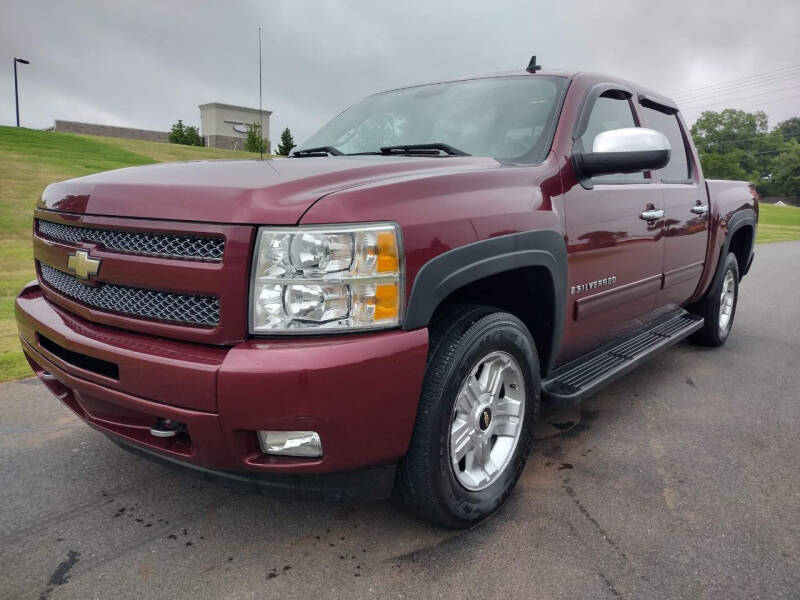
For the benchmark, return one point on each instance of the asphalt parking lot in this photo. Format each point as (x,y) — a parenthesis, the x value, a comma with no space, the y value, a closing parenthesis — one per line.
(680,481)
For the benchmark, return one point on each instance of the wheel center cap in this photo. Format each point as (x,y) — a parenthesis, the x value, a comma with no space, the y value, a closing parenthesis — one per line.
(485,418)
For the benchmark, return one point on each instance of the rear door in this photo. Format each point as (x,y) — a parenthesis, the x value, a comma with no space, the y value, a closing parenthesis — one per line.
(614,254)
(685,207)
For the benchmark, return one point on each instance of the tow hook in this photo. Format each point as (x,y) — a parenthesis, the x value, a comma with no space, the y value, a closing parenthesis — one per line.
(165,428)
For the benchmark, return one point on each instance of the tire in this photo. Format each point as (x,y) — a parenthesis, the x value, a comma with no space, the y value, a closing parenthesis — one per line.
(471,346)
(718,323)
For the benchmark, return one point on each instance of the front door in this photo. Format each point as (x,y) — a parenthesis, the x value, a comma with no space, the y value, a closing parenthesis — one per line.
(614,243)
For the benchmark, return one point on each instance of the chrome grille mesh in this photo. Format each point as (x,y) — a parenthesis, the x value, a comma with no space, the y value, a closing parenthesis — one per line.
(148,304)
(153,244)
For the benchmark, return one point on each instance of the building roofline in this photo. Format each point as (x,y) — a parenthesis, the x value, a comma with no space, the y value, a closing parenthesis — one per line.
(234,107)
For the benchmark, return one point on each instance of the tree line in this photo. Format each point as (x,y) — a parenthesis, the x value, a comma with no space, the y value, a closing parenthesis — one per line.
(734,144)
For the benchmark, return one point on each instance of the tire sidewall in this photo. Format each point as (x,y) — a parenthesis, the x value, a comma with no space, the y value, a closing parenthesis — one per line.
(484,337)
(731,265)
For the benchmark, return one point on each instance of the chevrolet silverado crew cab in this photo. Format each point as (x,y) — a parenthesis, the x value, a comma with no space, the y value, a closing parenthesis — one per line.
(387,308)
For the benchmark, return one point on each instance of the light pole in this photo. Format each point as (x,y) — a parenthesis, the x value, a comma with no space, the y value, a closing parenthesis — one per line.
(16,93)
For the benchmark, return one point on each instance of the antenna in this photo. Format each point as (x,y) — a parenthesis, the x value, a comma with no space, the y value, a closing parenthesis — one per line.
(260,119)
(532,66)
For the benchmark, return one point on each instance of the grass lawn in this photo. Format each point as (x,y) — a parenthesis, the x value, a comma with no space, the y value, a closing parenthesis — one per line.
(29,160)
(778,223)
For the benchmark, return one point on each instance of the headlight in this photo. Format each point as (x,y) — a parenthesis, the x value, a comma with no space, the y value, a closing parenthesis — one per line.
(326,277)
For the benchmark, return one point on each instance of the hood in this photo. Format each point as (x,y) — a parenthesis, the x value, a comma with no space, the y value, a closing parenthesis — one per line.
(274,192)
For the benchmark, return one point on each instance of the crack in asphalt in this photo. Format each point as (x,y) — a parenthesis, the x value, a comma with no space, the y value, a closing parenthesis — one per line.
(609,585)
(607,581)
(588,516)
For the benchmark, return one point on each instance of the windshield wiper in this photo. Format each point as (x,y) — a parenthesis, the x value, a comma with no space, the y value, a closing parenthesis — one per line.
(424,149)
(318,151)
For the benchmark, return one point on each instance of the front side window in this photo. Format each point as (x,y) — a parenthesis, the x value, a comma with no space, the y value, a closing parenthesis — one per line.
(508,118)
(678,167)
(609,113)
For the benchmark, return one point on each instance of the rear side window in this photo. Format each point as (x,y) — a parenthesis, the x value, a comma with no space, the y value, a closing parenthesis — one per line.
(678,167)
(609,113)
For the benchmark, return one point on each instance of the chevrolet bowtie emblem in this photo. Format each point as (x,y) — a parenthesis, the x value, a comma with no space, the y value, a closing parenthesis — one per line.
(83,266)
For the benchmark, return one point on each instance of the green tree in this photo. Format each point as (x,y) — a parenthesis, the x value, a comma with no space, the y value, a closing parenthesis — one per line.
(726,138)
(724,166)
(786,171)
(287,143)
(717,129)
(789,129)
(255,142)
(192,136)
(185,134)
(178,133)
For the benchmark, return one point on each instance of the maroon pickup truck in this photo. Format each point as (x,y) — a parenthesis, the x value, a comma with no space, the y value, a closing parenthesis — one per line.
(387,308)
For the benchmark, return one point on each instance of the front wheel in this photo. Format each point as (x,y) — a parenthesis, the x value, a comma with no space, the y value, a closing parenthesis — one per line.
(476,417)
(719,307)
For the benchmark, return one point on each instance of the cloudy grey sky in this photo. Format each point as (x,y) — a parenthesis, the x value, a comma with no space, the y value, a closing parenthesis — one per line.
(150,62)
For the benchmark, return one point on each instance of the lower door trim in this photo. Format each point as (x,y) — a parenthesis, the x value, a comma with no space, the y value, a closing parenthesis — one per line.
(612,298)
(685,273)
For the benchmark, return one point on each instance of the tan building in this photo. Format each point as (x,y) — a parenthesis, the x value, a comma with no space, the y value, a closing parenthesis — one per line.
(225,125)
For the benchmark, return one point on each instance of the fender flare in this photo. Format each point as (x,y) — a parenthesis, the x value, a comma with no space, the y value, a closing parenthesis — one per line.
(740,219)
(452,270)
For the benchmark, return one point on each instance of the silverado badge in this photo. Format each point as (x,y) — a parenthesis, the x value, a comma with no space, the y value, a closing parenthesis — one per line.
(591,285)
(83,266)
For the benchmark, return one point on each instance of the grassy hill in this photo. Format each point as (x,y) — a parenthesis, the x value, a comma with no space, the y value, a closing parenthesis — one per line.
(29,160)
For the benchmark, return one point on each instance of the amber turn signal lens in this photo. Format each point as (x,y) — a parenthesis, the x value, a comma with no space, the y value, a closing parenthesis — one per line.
(386,301)
(387,253)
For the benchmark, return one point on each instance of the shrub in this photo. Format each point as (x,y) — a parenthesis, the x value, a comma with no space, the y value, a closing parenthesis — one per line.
(254,142)
(187,135)
(287,143)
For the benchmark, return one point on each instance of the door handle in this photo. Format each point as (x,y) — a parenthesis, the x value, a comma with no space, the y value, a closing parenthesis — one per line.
(699,209)
(652,215)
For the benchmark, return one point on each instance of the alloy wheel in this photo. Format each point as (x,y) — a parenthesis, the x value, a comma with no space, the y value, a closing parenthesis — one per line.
(487,420)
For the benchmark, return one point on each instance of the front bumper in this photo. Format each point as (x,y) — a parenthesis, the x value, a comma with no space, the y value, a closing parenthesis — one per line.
(359,392)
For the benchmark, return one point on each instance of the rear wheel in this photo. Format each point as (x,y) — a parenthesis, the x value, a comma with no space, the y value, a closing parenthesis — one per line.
(718,308)
(476,417)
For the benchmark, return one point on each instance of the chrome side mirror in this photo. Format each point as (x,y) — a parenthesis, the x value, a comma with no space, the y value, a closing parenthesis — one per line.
(625,150)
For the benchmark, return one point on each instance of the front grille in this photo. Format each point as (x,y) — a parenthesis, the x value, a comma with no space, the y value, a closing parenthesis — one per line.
(147,304)
(152,244)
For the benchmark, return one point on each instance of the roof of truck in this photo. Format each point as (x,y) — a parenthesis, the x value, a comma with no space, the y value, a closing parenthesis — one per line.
(516,73)
(644,93)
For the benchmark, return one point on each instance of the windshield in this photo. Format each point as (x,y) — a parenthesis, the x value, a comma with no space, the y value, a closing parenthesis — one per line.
(508,118)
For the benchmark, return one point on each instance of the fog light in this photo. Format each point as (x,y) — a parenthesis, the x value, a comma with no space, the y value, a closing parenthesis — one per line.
(290,443)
